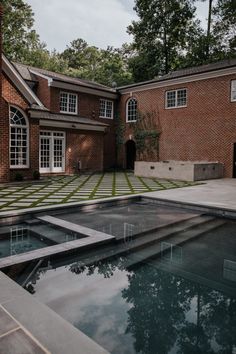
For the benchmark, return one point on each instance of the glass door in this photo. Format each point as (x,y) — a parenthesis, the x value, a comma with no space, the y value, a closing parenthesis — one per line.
(58,152)
(52,152)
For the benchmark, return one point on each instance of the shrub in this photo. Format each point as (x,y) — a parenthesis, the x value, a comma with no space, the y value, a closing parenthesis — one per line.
(18,177)
(36,175)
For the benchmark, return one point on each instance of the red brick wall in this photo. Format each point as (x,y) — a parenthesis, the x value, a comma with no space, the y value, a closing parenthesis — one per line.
(88,107)
(12,96)
(83,146)
(86,147)
(204,130)
(43,91)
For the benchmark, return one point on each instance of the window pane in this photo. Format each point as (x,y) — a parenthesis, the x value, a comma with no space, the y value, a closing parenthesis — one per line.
(171,98)
(106,109)
(181,97)
(233,90)
(18,138)
(132,110)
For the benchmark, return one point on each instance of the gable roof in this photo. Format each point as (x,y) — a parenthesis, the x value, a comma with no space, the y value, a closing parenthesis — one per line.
(9,69)
(207,68)
(29,73)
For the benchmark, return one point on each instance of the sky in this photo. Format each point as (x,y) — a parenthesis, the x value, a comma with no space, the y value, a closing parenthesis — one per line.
(99,22)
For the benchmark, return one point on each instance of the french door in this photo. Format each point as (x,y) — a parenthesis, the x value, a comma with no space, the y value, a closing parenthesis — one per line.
(52,151)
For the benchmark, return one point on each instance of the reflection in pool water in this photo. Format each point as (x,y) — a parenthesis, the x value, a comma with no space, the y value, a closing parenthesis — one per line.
(140,308)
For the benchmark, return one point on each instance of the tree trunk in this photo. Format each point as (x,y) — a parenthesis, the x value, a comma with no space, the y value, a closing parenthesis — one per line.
(209,29)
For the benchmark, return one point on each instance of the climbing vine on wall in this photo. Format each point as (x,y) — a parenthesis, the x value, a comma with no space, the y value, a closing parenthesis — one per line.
(120,132)
(146,132)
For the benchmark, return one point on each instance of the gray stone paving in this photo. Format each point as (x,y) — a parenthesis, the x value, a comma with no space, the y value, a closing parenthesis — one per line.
(57,190)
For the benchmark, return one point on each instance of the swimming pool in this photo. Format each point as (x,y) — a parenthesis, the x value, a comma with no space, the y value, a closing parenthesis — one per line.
(134,295)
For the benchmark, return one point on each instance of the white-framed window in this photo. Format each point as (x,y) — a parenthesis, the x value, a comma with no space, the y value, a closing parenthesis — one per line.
(176,98)
(131,110)
(233,90)
(106,109)
(19,139)
(68,103)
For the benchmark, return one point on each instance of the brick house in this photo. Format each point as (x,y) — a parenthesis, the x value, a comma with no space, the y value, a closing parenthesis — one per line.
(56,124)
(53,124)
(195,113)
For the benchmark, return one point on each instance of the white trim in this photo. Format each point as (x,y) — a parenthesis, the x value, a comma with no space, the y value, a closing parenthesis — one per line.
(127,103)
(112,111)
(78,126)
(176,98)
(51,138)
(76,105)
(17,167)
(231,90)
(178,81)
(21,85)
(49,79)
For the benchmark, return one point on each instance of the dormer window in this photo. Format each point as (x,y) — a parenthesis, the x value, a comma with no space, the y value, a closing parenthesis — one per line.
(68,103)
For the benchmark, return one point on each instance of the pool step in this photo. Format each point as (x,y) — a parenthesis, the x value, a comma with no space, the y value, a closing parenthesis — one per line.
(149,245)
(169,243)
(55,235)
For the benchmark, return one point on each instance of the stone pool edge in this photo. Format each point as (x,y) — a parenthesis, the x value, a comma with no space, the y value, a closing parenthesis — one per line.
(46,328)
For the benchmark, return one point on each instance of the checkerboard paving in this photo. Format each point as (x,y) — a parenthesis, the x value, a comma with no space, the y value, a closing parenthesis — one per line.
(67,189)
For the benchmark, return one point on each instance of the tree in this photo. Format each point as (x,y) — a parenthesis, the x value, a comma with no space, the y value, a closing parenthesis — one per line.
(106,66)
(160,33)
(219,40)
(19,37)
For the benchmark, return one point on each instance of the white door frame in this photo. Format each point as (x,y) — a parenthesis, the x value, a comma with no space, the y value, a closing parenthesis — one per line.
(50,136)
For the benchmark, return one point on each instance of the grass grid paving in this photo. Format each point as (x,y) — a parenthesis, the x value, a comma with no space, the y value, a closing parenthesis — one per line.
(66,189)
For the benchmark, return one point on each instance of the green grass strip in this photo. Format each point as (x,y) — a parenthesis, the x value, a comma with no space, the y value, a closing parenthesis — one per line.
(65,200)
(159,183)
(129,183)
(145,184)
(34,204)
(18,199)
(95,189)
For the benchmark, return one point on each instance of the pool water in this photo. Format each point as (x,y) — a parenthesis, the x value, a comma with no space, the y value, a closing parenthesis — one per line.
(180,300)
(32,235)
(130,219)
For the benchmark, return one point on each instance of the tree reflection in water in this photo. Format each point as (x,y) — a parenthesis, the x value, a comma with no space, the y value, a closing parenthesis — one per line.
(169,314)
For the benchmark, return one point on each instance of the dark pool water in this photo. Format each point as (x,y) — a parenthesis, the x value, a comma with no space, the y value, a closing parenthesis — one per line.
(27,237)
(177,303)
(128,219)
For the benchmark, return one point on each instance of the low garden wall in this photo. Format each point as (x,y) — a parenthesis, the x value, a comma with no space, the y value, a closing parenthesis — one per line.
(180,170)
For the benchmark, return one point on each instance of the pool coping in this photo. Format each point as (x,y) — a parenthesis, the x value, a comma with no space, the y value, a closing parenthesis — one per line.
(25,309)
(37,320)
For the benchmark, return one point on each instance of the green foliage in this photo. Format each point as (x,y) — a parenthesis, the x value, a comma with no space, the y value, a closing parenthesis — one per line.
(36,175)
(146,132)
(160,34)
(18,177)
(219,41)
(120,132)
(19,38)
(108,67)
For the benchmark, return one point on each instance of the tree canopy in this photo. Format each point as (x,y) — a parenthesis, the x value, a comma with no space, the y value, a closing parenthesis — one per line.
(166,36)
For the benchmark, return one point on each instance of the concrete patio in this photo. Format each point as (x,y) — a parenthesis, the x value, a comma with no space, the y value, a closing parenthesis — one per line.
(220,193)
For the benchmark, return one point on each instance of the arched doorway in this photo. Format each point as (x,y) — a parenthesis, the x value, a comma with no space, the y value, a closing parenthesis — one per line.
(130,154)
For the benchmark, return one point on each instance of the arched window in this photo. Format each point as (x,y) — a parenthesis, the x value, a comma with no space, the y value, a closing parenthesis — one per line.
(131,110)
(19,136)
